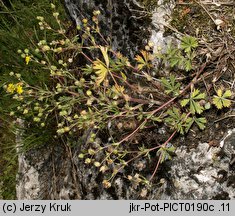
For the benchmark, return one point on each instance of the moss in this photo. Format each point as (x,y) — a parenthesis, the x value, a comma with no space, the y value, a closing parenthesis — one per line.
(192,18)
(187,19)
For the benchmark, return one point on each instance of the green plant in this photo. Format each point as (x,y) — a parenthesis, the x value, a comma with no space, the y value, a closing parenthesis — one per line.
(18,30)
(188,43)
(8,161)
(166,153)
(182,56)
(194,101)
(221,99)
(171,86)
(178,121)
(108,93)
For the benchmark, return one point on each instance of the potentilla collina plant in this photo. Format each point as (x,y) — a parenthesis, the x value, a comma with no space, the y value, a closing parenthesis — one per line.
(94,88)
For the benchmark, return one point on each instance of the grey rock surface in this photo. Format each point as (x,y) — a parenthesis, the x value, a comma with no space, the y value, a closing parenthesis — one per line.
(205,172)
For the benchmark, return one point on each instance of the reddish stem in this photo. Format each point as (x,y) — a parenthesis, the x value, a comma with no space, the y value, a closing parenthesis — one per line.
(163,145)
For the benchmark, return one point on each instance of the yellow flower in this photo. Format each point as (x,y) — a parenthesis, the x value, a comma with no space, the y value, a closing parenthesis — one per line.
(19,89)
(27,59)
(85,21)
(10,88)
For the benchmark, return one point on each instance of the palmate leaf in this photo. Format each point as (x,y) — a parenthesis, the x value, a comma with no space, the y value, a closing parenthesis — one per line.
(193,101)
(166,153)
(171,51)
(176,60)
(188,43)
(101,71)
(143,60)
(221,100)
(173,56)
(175,119)
(174,113)
(140,61)
(87,70)
(196,95)
(200,122)
(122,60)
(217,102)
(171,86)
(195,107)
(175,86)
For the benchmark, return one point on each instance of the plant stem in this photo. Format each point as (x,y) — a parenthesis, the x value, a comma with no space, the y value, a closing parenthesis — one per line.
(163,145)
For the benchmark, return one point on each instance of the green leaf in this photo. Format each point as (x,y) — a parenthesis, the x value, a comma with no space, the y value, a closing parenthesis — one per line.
(188,123)
(195,107)
(219,92)
(165,153)
(171,149)
(184,102)
(171,86)
(195,93)
(156,119)
(188,43)
(201,122)
(165,83)
(176,60)
(87,70)
(188,65)
(178,121)
(227,94)
(172,80)
(171,51)
(200,96)
(140,61)
(217,102)
(143,60)
(174,112)
(226,102)
(221,100)
(123,76)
